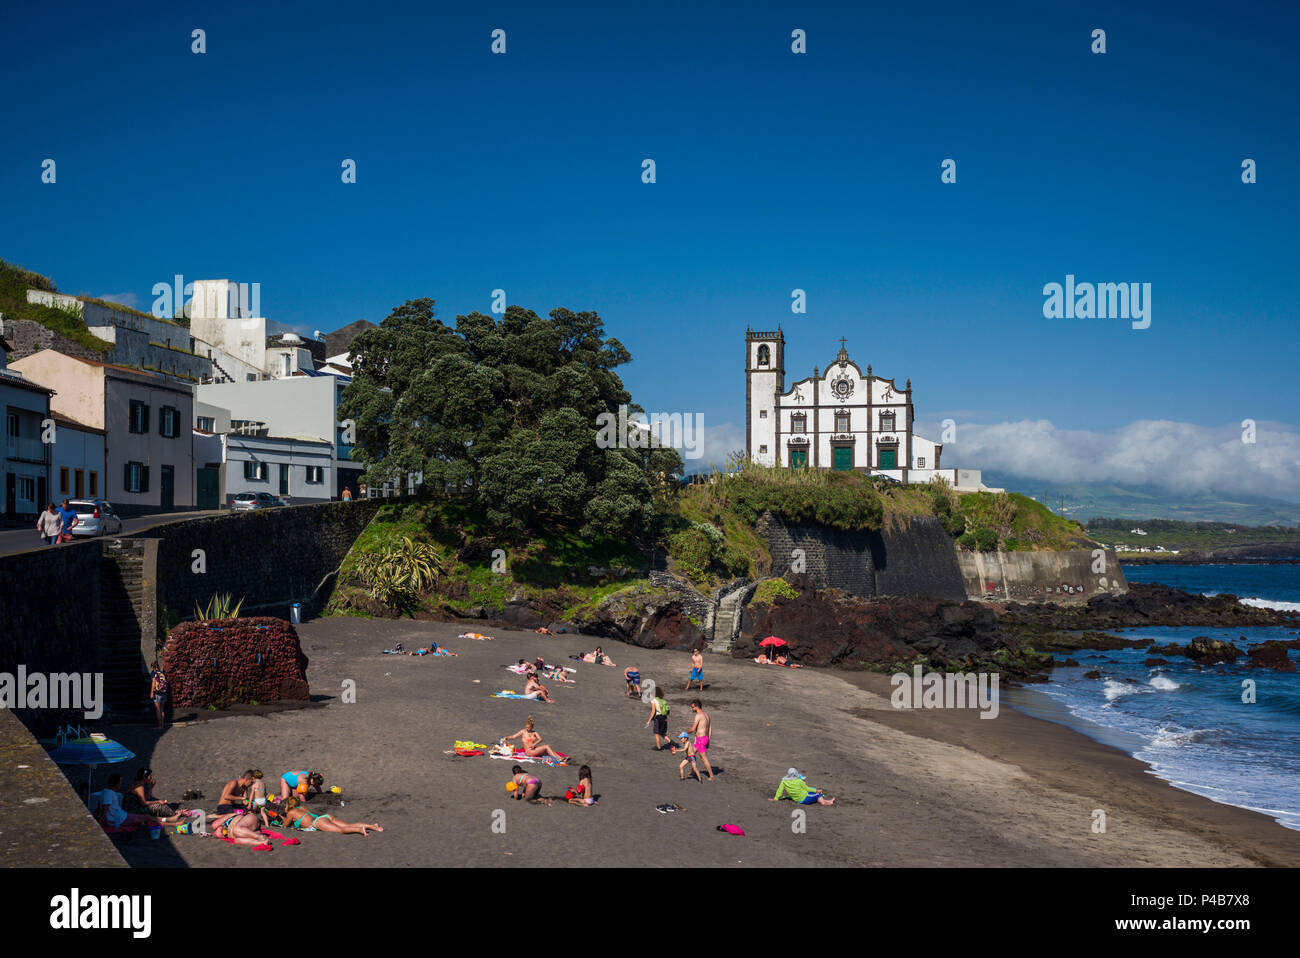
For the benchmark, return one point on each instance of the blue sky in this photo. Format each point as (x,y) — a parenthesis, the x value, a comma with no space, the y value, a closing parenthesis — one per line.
(775,171)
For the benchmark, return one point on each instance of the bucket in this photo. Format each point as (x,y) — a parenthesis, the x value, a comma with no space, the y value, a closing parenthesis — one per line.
(155,831)
(295,613)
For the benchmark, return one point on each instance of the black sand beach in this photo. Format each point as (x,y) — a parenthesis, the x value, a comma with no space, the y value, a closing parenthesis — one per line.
(913,788)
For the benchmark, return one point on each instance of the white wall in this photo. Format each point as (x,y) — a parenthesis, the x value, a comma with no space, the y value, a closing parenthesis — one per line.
(297,455)
(75,449)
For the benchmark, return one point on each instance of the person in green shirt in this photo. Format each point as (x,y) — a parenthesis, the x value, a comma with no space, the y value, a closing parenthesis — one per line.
(659,716)
(800,792)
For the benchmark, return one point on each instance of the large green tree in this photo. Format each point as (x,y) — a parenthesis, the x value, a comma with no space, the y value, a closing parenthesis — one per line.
(507,412)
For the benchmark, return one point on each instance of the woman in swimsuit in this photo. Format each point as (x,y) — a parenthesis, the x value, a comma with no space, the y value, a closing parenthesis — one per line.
(526,787)
(240,827)
(295,816)
(583,794)
(532,742)
(142,799)
(291,783)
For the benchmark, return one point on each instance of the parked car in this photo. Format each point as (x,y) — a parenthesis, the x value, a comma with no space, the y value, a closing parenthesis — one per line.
(95,517)
(244,501)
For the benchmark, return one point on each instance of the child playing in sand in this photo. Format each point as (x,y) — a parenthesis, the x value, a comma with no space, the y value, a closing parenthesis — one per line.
(800,792)
(300,783)
(584,793)
(526,787)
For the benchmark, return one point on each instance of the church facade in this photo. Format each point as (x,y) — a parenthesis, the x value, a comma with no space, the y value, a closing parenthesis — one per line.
(843,419)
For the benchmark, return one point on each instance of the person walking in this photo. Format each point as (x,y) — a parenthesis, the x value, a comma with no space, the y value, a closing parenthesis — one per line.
(69,521)
(158,691)
(698,747)
(50,524)
(347,493)
(659,716)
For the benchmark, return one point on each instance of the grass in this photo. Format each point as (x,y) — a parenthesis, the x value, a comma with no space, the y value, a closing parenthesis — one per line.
(14,283)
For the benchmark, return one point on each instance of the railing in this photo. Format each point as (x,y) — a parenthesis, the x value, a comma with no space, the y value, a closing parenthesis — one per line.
(32,450)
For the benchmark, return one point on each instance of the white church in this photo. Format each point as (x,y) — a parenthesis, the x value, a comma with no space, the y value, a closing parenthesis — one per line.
(841,419)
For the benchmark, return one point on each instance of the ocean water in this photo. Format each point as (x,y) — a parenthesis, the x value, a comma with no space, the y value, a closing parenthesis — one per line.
(1189,723)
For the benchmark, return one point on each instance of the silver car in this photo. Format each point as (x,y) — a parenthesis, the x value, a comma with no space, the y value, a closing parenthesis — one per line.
(244,501)
(95,517)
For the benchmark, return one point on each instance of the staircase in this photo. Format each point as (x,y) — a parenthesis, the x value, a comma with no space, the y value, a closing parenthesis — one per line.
(126,679)
(726,620)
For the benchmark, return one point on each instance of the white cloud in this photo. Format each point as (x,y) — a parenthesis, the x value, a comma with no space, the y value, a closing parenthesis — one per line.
(1178,456)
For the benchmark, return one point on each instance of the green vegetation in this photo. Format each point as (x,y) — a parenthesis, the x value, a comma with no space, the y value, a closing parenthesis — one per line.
(770,589)
(14,283)
(1016,523)
(506,415)
(219,607)
(1184,536)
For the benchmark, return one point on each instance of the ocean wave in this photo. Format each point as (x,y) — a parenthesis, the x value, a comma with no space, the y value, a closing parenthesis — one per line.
(1113,690)
(1175,735)
(1270,604)
(1163,682)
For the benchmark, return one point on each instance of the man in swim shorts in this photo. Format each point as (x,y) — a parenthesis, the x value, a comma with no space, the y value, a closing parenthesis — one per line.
(697,670)
(699,746)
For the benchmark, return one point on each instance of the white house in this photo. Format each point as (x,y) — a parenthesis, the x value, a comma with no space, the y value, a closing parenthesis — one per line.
(77,460)
(24,458)
(843,419)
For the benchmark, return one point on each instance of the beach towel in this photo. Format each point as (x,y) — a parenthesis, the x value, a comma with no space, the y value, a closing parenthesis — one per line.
(506,752)
(475,635)
(731,829)
(507,694)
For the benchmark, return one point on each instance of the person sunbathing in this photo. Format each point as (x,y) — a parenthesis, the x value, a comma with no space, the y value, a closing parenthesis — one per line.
(475,635)
(296,816)
(532,686)
(763,659)
(543,630)
(597,656)
(783,659)
(239,827)
(532,742)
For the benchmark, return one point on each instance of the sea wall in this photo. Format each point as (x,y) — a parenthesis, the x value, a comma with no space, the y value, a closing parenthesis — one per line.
(912,558)
(1062,577)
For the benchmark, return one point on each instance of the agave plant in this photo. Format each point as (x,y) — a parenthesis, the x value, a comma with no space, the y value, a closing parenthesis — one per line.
(399,572)
(218,607)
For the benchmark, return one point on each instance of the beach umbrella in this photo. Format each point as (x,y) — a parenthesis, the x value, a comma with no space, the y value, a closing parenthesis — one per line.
(773,640)
(91,751)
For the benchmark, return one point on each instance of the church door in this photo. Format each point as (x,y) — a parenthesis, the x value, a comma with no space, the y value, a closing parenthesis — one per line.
(843,461)
(889,459)
(798,458)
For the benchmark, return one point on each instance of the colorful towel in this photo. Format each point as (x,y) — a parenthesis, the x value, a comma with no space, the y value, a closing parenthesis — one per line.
(519,755)
(507,694)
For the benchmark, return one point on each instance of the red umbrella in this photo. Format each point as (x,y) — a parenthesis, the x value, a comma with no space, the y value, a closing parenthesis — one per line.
(773,640)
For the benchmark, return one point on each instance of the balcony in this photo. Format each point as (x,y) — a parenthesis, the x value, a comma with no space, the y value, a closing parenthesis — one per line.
(25,449)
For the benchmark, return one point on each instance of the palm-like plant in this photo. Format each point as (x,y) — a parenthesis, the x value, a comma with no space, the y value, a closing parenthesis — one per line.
(219,607)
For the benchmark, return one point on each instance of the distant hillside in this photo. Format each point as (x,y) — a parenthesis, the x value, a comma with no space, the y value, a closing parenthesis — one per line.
(1219,539)
(1086,501)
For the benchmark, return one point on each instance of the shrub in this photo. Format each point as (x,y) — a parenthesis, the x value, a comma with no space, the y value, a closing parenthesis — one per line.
(770,589)
(692,550)
(222,662)
(986,540)
(967,541)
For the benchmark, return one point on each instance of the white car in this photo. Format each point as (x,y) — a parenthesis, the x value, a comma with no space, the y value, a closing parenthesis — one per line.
(95,517)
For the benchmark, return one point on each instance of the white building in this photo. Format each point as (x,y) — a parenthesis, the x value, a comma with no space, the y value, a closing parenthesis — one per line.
(77,460)
(24,458)
(303,406)
(843,419)
(298,469)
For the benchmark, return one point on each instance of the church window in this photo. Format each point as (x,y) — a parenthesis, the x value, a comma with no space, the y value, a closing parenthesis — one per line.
(887,422)
(798,423)
(762,414)
(764,356)
(762,450)
(920,462)
(841,422)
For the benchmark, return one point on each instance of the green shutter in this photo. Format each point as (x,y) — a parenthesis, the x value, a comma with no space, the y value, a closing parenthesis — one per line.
(126,478)
(144,478)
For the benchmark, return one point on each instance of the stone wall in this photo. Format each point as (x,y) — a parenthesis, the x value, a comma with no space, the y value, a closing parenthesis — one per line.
(1062,577)
(915,558)
(27,336)
(49,617)
(269,557)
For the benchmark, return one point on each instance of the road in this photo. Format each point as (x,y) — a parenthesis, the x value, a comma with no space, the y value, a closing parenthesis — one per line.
(25,540)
